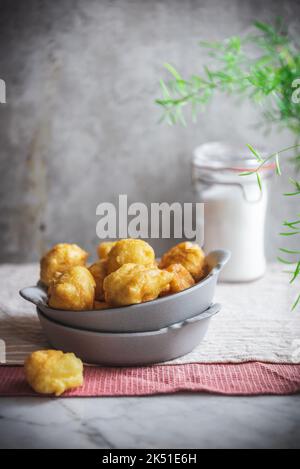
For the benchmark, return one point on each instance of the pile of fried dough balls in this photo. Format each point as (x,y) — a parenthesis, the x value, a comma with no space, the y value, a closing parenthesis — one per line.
(125,274)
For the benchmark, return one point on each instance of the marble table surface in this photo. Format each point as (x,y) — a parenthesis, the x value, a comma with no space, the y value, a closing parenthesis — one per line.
(175,421)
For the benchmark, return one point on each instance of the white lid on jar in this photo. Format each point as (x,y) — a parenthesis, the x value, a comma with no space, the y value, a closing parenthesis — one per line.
(219,165)
(225,157)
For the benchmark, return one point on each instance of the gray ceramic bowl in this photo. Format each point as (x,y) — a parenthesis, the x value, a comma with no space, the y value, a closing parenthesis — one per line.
(129,349)
(148,316)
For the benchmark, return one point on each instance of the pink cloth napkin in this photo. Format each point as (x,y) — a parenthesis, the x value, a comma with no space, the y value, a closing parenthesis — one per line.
(250,378)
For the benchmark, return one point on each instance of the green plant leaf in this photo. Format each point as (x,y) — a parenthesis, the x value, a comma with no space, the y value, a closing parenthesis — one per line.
(278,169)
(296,273)
(291,224)
(165,89)
(289,233)
(263,27)
(295,183)
(259,181)
(295,304)
(173,72)
(284,261)
(247,173)
(255,153)
(289,251)
(288,194)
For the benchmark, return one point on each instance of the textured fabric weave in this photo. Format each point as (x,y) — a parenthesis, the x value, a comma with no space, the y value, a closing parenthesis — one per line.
(236,379)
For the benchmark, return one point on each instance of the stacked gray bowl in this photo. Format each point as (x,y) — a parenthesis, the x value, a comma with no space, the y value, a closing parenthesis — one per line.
(151,332)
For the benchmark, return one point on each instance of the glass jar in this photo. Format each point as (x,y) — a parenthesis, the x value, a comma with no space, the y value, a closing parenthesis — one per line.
(235,207)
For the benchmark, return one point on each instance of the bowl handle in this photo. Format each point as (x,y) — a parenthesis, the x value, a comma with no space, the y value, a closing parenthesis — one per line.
(221,257)
(35,295)
(211,311)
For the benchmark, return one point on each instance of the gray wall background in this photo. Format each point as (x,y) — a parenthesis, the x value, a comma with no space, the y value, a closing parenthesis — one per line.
(80,123)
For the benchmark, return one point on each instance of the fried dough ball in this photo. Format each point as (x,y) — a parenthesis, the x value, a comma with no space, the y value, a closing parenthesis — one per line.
(182,278)
(104,248)
(74,290)
(187,254)
(134,283)
(130,251)
(53,372)
(98,271)
(59,259)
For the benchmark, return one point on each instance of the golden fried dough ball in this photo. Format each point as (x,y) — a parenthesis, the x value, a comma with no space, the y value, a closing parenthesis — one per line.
(187,254)
(59,259)
(182,278)
(130,251)
(104,248)
(98,271)
(53,372)
(74,290)
(134,283)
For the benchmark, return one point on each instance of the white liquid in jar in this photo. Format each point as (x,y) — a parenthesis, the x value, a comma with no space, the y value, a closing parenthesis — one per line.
(237,225)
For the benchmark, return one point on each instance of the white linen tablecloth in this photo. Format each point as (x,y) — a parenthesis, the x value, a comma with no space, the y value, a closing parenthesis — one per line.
(255,323)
